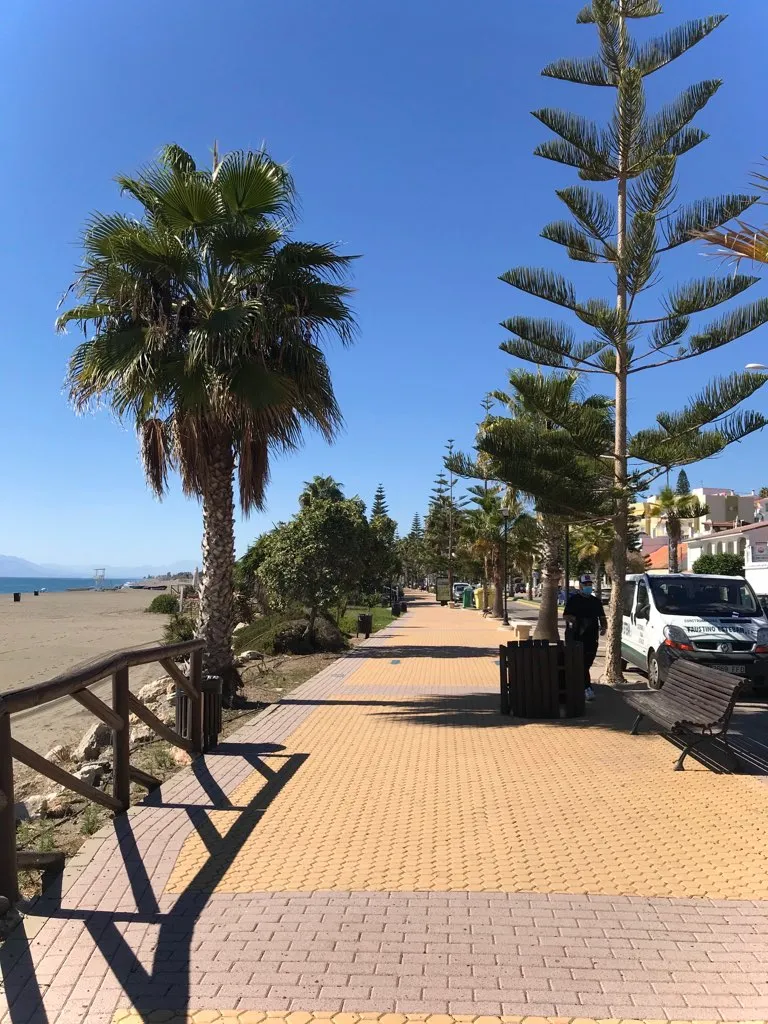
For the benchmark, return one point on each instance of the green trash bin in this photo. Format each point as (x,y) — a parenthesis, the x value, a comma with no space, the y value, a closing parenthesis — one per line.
(468,598)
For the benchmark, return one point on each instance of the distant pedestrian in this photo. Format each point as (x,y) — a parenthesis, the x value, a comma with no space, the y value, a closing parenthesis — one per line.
(585,623)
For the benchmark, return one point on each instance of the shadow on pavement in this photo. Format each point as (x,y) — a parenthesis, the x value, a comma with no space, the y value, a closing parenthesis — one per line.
(425,651)
(165,984)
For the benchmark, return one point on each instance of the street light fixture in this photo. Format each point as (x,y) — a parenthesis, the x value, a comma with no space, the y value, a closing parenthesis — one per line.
(505,516)
(756,366)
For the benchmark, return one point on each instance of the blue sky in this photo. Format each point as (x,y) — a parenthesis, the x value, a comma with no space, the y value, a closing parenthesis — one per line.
(407,128)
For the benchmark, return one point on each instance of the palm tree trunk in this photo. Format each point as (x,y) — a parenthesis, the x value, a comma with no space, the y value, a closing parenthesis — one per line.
(216,617)
(674,564)
(546,623)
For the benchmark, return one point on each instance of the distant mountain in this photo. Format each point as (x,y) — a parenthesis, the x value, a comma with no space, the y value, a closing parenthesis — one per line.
(10,565)
(118,572)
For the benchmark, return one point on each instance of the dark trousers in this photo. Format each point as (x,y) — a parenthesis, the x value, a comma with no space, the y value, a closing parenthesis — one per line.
(590,652)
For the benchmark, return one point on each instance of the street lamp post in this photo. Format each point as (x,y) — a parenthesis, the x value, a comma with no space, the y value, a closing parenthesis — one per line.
(505,515)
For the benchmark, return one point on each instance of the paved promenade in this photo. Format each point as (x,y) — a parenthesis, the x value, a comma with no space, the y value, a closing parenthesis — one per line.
(384,845)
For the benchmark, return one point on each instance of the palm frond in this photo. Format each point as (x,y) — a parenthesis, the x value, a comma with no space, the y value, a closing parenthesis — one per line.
(253,185)
(155,453)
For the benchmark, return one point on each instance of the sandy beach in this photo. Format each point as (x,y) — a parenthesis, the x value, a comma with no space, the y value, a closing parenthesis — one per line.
(41,637)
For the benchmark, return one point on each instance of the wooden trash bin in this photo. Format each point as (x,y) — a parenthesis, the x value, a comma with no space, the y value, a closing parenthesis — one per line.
(539,679)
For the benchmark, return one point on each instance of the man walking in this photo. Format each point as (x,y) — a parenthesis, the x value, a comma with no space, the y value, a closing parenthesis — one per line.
(584,622)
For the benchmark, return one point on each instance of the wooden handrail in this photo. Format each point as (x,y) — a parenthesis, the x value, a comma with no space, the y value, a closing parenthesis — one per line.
(64,778)
(75,683)
(90,672)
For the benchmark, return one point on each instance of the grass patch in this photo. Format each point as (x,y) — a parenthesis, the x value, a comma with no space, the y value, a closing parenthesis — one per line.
(90,820)
(381,618)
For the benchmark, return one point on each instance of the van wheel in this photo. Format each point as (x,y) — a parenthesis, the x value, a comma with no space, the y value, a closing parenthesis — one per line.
(654,675)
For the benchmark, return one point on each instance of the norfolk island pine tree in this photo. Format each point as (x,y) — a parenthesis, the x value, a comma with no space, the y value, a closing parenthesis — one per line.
(637,153)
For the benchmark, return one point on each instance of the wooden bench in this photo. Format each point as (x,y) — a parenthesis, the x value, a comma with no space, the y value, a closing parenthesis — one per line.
(695,703)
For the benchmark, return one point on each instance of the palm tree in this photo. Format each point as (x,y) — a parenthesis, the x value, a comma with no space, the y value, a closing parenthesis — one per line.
(482,528)
(674,509)
(593,542)
(320,488)
(203,324)
(552,447)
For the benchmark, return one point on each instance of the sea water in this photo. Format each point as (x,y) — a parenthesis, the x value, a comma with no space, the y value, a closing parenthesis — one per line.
(51,584)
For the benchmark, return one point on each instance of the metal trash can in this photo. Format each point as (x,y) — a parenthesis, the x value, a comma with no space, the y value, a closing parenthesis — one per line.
(364,624)
(17,597)
(395,610)
(211,687)
(403,607)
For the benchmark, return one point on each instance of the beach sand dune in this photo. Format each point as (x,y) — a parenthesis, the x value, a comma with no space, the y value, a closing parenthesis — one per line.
(41,637)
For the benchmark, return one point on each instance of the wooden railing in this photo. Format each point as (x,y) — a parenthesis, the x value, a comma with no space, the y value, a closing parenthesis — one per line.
(76,684)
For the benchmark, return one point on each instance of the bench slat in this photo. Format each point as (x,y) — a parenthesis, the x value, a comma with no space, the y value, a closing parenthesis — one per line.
(689,700)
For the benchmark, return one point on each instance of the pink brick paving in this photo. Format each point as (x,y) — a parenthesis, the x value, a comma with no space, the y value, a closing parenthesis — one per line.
(113,938)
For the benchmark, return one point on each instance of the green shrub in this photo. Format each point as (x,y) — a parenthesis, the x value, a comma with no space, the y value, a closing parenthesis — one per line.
(720,565)
(90,820)
(179,629)
(166,604)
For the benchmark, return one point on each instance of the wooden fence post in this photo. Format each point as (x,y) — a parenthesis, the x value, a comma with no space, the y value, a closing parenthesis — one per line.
(196,709)
(121,740)
(9,881)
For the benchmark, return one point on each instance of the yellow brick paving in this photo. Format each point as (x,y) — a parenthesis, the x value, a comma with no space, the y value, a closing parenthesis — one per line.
(251,1017)
(434,791)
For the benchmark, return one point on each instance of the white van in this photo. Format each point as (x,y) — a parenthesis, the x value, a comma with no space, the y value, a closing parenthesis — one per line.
(713,620)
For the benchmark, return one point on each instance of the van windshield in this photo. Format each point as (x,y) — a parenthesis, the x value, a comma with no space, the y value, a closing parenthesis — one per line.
(704,596)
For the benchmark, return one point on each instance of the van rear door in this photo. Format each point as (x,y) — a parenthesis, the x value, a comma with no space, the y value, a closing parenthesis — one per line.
(631,651)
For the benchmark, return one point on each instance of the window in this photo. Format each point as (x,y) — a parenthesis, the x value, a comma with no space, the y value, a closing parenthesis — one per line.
(628,597)
(643,610)
(703,596)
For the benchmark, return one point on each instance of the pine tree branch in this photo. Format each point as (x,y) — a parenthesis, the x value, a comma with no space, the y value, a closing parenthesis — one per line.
(698,296)
(543,283)
(704,215)
(657,53)
(575,241)
(662,131)
(591,210)
(580,71)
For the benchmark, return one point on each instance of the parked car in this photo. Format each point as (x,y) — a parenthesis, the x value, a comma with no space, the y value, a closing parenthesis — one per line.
(458,590)
(712,620)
